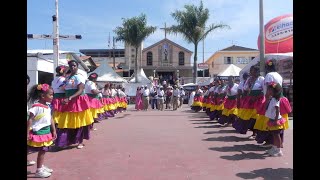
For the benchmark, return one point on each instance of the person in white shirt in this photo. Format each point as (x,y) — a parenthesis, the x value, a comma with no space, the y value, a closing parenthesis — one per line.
(122,99)
(77,117)
(40,126)
(252,106)
(220,98)
(176,97)
(191,97)
(145,98)
(160,100)
(182,94)
(276,121)
(197,101)
(57,85)
(96,107)
(229,112)
(241,98)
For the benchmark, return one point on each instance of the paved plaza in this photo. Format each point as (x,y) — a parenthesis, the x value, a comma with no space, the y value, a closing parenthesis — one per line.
(167,145)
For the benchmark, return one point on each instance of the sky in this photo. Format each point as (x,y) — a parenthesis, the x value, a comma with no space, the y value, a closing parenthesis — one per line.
(94,20)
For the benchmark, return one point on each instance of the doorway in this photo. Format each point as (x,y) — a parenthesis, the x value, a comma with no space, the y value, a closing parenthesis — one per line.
(167,76)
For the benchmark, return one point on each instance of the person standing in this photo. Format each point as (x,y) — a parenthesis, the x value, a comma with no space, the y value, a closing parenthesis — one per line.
(182,94)
(230,111)
(138,100)
(41,129)
(91,90)
(160,99)
(197,100)
(169,92)
(253,102)
(153,94)
(276,123)
(175,98)
(58,84)
(145,98)
(76,119)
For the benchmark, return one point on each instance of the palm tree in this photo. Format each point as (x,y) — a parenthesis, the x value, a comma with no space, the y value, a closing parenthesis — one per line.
(133,31)
(192,26)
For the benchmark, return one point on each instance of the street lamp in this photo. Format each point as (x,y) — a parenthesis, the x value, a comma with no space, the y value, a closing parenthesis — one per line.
(154,73)
(177,73)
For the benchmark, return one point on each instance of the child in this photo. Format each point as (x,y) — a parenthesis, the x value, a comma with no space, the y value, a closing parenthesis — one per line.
(276,121)
(43,132)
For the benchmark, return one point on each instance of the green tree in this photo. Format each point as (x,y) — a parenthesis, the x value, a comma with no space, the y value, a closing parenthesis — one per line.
(133,31)
(191,24)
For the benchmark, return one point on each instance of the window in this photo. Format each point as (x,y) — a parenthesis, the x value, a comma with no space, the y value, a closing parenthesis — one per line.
(149,59)
(181,58)
(212,64)
(242,60)
(228,60)
(132,56)
(132,50)
(252,58)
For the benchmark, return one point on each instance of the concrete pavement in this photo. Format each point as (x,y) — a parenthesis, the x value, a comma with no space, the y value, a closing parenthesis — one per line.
(168,145)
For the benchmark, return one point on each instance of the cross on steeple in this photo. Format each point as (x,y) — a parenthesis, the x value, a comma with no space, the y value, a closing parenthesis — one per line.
(165,30)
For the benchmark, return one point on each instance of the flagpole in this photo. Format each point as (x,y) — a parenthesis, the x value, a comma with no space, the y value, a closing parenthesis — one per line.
(55,39)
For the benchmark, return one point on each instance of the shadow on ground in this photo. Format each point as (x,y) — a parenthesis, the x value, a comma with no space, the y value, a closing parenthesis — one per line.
(227,139)
(268,174)
(214,126)
(239,148)
(221,131)
(199,116)
(209,122)
(199,120)
(245,156)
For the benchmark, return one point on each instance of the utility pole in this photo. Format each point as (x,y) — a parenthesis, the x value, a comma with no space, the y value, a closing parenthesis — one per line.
(55,19)
(203,56)
(114,58)
(262,44)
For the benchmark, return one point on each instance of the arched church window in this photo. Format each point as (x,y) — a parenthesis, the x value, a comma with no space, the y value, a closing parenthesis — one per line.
(149,59)
(181,58)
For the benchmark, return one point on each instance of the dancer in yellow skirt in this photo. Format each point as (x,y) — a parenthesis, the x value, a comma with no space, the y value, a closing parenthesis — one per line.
(230,111)
(276,123)
(41,128)
(75,120)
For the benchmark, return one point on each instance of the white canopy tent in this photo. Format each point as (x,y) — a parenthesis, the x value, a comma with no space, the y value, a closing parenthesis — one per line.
(283,63)
(107,74)
(142,78)
(131,87)
(231,70)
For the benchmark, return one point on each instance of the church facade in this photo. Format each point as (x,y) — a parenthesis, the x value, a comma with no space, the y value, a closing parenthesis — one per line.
(166,58)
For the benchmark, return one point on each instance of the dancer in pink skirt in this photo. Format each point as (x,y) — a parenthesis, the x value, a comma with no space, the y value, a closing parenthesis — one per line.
(76,118)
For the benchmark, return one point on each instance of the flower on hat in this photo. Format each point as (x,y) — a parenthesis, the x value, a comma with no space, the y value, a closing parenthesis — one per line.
(269,62)
(62,68)
(43,87)
(93,75)
(273,84)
